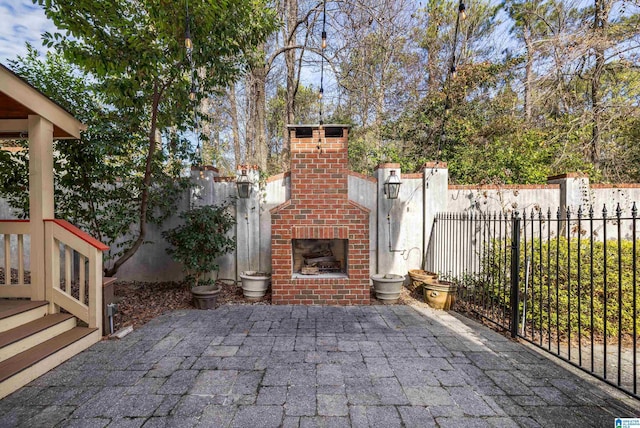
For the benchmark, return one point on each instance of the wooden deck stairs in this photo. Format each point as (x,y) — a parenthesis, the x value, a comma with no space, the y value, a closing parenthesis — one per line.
(32,341)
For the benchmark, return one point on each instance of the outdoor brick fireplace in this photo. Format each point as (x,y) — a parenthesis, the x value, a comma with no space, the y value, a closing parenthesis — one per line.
(319,238)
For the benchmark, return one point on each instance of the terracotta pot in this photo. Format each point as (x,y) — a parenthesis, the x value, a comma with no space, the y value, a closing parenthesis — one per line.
(387,287)
(205,296)
(254,284)
(440,294)
(419,277)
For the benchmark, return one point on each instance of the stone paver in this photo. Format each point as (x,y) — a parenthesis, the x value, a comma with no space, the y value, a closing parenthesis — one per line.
(296,366)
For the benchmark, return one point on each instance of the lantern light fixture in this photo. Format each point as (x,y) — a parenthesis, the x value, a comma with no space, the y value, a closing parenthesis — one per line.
(392,186)
(244,185)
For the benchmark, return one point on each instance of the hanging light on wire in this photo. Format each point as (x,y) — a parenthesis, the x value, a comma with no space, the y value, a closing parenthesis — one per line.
(187,37)
(462,11)
(188,43)
(323,46)
(453,73)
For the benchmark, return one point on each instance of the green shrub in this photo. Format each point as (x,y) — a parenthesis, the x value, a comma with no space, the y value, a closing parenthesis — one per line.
(201,240)
(556,288)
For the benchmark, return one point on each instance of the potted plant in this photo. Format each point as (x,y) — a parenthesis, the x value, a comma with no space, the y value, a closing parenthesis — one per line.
(419,277)
(254,284)
(197,244)
(440,294)
(387,286)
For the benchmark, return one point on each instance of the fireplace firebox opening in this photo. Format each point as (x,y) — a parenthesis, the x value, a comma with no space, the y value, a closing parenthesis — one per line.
(325,258)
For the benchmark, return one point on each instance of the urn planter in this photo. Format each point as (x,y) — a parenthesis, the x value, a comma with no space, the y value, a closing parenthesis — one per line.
(440,294)
(254,284)
(205,296)
(387,287)
(419,277)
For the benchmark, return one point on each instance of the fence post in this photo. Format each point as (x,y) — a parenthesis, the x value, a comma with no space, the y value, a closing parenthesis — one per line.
(515,271)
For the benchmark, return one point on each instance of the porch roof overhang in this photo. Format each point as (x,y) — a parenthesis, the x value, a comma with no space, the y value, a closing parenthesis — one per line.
(19,100)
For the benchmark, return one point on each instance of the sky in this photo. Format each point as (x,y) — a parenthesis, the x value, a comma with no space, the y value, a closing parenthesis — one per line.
(22,22)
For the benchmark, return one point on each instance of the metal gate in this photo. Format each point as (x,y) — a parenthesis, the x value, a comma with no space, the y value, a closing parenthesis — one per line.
(565,282)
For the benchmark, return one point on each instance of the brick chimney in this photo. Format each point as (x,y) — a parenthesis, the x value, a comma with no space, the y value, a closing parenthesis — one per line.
(319,223)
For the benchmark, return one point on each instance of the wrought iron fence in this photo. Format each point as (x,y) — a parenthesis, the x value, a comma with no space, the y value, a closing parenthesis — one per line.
(566,282)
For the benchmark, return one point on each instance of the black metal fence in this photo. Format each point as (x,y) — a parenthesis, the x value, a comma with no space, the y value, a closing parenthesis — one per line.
(566,282)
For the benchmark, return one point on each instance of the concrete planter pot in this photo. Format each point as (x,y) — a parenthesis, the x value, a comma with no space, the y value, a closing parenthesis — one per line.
(205,296)
(440,294)
(387,287)
(254,284)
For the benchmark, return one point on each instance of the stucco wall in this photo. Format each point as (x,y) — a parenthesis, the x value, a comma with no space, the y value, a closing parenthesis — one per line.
(612,195)
(422,195)
(503,198)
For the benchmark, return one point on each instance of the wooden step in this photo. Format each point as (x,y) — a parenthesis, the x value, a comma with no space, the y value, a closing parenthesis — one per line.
(14,313)
(28,335)
(20,369)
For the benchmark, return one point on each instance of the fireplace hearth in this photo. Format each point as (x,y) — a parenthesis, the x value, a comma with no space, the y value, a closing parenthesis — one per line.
(319,257)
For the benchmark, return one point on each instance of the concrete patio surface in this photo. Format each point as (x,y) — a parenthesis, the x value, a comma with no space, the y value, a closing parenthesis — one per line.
(318,366)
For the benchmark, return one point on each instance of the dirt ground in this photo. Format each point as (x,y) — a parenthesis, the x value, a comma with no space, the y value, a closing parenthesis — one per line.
(139,302)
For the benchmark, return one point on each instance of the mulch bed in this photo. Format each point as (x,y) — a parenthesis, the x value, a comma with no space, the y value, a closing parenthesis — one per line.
(140,302)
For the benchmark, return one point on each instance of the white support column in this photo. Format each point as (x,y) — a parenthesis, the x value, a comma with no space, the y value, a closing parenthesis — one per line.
(40,199)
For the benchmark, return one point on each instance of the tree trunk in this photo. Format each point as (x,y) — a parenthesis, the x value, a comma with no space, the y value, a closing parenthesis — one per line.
(601,17)
(235,125)
(250,131)
(290,63)
(257,112)
(146,184)
(528,78)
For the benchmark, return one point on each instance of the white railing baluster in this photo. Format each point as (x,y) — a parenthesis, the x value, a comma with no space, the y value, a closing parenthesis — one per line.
(81,278)
(7,259)
(55,269)
(68,259)
(19,286)
(21,259)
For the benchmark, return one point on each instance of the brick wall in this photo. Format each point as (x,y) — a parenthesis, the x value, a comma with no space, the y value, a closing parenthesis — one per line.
(319,208)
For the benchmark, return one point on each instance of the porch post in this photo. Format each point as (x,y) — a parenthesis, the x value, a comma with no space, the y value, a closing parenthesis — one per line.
(40,198)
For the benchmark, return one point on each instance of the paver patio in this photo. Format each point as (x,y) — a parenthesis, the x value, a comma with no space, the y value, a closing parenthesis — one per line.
(299,366)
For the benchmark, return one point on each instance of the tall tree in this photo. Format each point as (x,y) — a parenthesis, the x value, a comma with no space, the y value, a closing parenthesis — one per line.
(286,50)
(601,11)
(136,51)
(97,177)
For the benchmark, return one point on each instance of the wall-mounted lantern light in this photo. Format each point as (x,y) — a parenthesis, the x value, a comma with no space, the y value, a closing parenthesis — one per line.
(244,185)
(392,186)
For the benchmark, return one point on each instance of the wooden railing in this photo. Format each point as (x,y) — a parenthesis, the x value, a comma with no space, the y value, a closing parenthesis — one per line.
(73,261)
(14,261)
